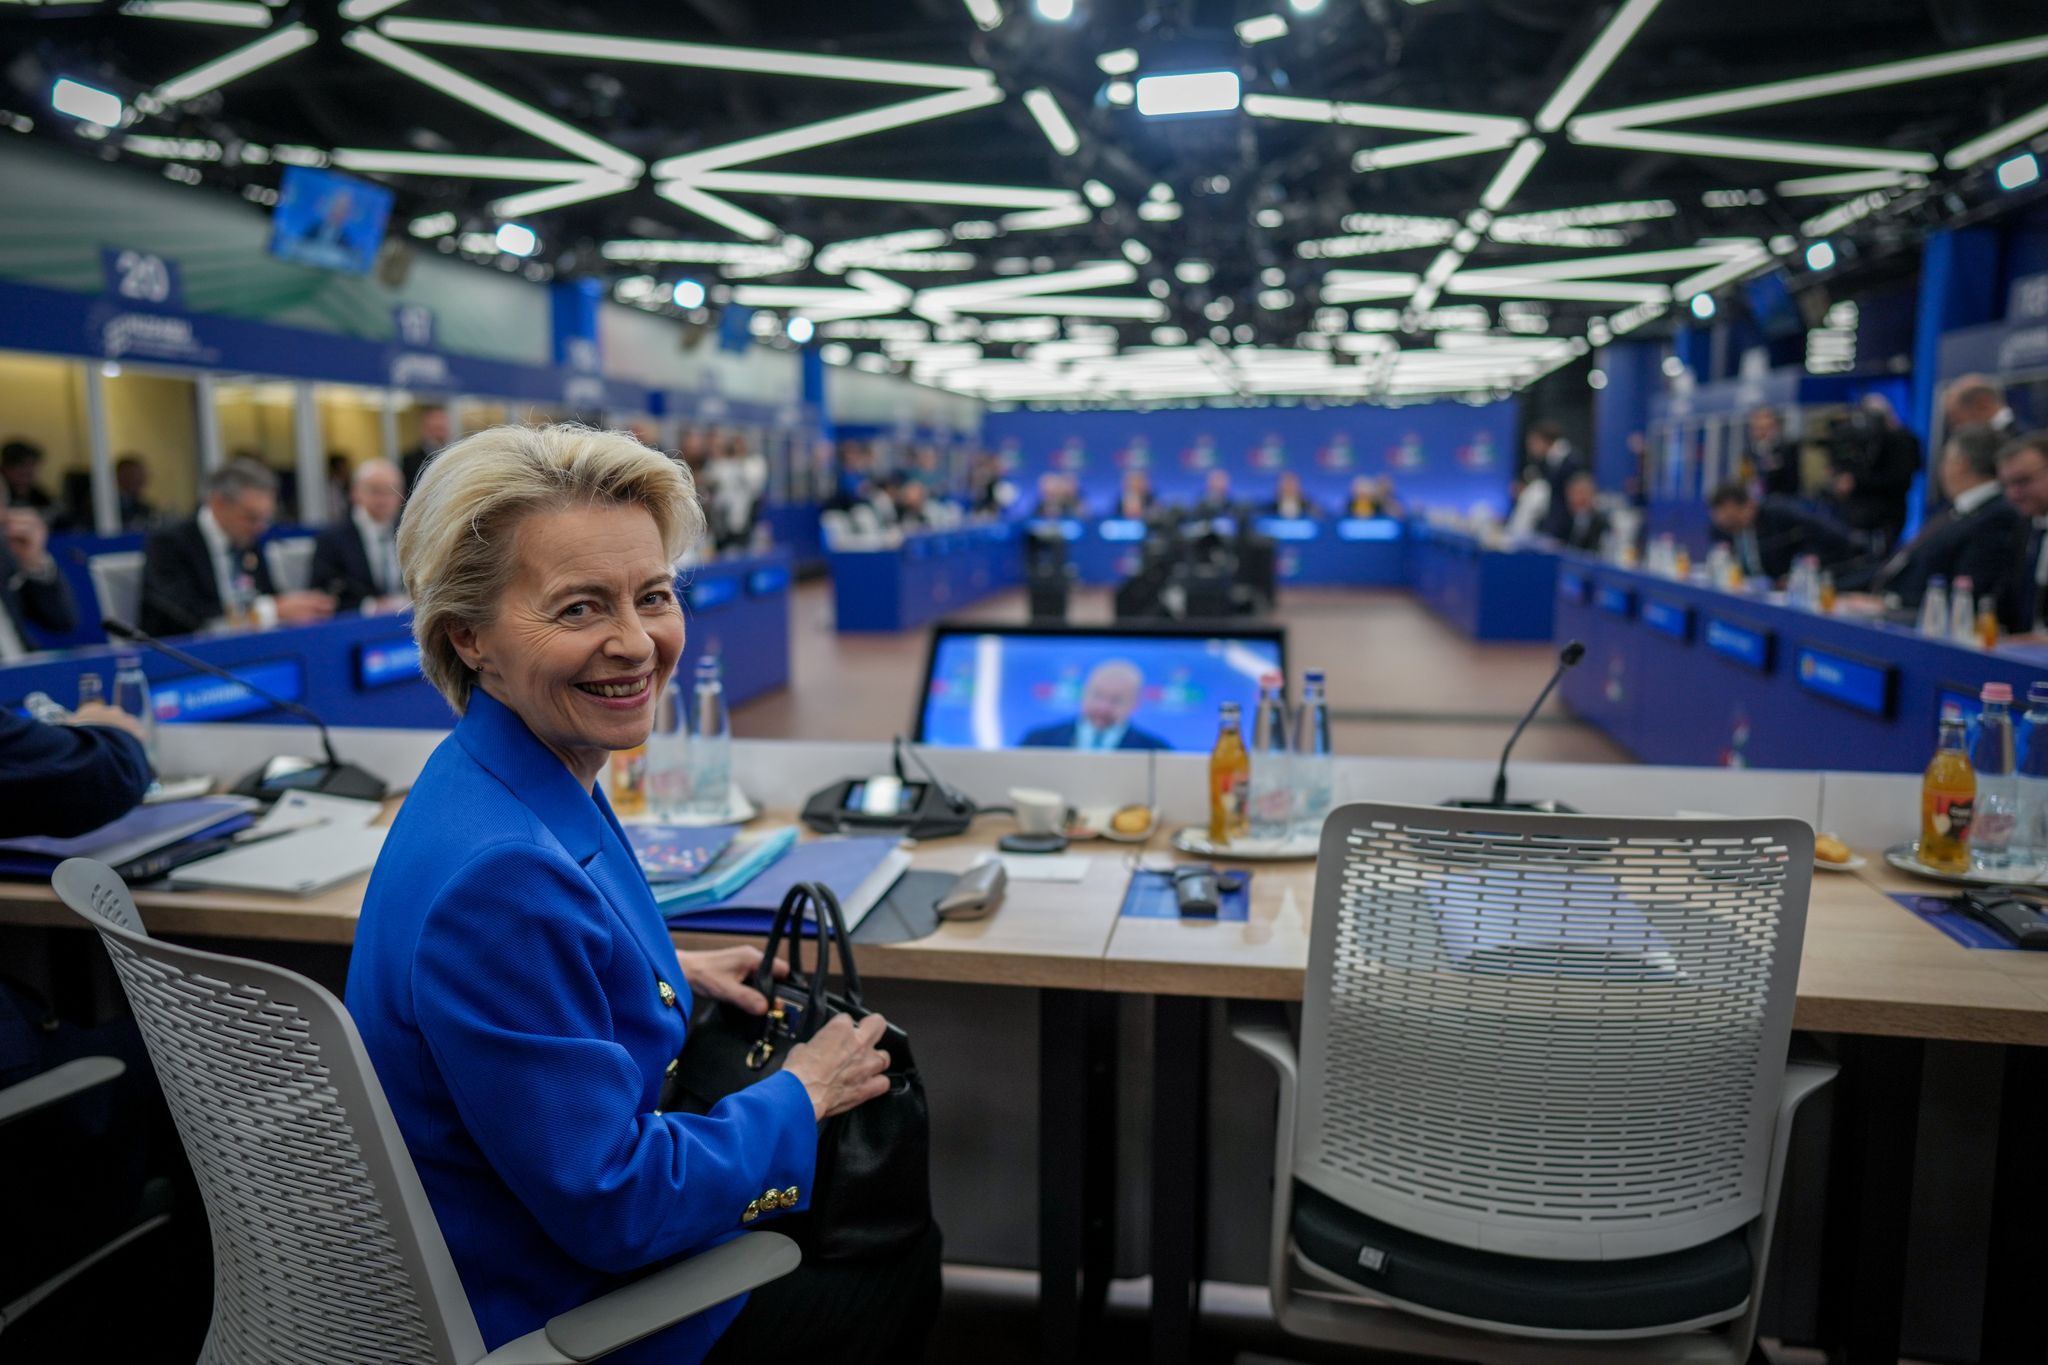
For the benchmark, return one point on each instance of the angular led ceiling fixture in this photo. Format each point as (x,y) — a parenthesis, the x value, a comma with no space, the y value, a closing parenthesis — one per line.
(1188,92)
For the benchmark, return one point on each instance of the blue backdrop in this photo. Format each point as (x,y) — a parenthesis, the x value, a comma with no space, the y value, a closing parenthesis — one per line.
(1438,454)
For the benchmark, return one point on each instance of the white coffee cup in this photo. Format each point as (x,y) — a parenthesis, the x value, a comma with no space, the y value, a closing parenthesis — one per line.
(1038,811)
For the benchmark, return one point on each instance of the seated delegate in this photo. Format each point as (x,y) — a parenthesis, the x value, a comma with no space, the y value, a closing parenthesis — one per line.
(356,559)
(209,568)
(512,977)
(1766,537)
(1970,538)
(1290,501)
(32,591)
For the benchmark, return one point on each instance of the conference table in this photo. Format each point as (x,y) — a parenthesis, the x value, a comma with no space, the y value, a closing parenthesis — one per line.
(1874,975)
(1489,589)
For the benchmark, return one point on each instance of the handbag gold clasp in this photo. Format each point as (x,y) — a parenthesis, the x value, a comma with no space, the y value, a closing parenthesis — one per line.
(764,1047)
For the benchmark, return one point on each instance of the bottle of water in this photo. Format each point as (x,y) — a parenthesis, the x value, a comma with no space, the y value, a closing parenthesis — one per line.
(2030,837)
(1962,611)
(668,753)
(1312,777)
(131,694)
(1994,815)
(1272,793)
(711,745)
(1934,608)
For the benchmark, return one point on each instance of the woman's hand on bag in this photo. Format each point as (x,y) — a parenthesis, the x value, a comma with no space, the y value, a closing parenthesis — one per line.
(841,1066)
(727,975)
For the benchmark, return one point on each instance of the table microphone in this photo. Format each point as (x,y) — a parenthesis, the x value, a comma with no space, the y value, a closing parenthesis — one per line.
(333,777)
(1566,658)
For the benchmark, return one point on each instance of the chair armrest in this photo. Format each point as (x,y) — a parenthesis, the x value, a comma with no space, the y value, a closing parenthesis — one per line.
(58,1083)
(1262,1027)
(648,1305)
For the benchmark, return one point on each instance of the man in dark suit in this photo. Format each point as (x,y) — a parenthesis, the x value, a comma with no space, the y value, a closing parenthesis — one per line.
(1107,700)
(1289,501)
(1775,459)
(433,435)
(1553,457)
(1875,460)
(1972,537)
(1768,536)
(1216,500)
(356,558)
(1586,525)
(210,567)
(32,592)
(2023,473)
(21,462)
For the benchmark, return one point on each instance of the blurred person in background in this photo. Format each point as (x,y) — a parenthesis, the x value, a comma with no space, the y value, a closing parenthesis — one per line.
(1290,501)
(1134,500)
(356,558)
(1874,460)
(210,569)
(1586,526)
(1057,496)
(131,483)
(1773,459)
(1972,400)
(33,594)
(21,467)
(433,435)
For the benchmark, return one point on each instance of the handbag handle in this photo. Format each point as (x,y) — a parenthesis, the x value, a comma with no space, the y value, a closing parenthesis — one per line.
(789,918)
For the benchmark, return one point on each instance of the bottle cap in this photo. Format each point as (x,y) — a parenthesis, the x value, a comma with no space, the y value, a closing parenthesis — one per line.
(1996,691)
(1272,680)
(1315,675)
(2037,694)
(1230,710)
(1951,714)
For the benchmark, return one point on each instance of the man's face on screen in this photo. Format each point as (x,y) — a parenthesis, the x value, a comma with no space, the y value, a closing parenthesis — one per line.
(1109,698)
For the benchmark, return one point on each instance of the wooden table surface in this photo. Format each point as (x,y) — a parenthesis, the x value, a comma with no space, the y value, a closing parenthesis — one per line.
(1869,966)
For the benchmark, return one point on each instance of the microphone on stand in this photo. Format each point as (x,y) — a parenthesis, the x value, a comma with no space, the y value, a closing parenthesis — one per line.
(277,776)
(1566,658)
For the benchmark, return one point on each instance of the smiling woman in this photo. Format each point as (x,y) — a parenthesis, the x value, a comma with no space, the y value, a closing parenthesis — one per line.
(512,978)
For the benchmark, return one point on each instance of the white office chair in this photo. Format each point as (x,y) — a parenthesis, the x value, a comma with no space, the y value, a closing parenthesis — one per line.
(1542,1104)
(117,582)
(837,529)
(324,1246)
(291,563)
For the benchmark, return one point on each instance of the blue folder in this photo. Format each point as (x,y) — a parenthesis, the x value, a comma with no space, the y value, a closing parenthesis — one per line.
(842,864)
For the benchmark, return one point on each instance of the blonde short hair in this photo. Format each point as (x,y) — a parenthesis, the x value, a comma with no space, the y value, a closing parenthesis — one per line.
(455,542)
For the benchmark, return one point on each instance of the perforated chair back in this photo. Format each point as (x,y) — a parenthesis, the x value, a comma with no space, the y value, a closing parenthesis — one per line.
(1549,1036)
(324,1246)
(291,563)
(117,582)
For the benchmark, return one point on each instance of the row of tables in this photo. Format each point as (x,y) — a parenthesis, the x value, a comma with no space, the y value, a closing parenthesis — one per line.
(1682,673)
(364,670)
(1871,972)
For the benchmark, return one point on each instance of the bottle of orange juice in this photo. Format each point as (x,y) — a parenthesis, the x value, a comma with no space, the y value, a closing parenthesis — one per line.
(1947,796)
(1987,623)
(1230,780)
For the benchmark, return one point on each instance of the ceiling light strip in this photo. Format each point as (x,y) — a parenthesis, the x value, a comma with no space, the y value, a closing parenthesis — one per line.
(1750,148)
(1849,182)
(704,56)
(1507,182)
(271,47)
(1627,263)
(234,13)
(497,104)
(716,210)
(1052,121)
(1593,64)
(1395,117)
(1487,284)
(922,109)
(578,191)
(1799,88)
(359,10)
(1706,281)
(1593,215)
(891,191)
(987,14)
(1430,149)
(376,162)
(1998,139)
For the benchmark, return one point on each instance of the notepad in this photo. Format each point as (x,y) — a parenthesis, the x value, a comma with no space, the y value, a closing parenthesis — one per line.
(859,869)
(301,864)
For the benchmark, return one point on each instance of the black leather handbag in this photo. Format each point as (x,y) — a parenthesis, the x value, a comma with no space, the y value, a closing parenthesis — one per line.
(871,1195)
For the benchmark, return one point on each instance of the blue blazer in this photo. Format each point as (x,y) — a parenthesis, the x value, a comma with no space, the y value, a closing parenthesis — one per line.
(519,996)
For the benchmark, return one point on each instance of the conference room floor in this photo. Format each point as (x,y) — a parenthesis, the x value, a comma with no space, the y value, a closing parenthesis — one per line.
(1402,682)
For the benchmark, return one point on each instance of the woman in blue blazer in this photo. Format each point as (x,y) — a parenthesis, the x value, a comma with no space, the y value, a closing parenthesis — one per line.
(512,976)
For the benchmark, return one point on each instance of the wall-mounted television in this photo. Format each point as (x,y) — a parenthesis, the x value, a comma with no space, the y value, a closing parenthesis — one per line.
(329,220)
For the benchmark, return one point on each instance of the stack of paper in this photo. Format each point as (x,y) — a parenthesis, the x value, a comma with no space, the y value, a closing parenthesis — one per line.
(307,843)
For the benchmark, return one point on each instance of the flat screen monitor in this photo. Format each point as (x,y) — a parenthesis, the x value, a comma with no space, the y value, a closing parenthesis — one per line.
(332,221)
(1124,687)
(1772,305)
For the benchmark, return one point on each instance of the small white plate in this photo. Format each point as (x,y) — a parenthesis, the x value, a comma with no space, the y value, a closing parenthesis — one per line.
(1093,823)
(1856,860)
(1194,839)
(1906,858)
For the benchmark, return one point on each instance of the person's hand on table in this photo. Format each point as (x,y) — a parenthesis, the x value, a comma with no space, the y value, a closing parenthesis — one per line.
(727,974)
(99,713)
(28,538)
(841,1066)
(300,608)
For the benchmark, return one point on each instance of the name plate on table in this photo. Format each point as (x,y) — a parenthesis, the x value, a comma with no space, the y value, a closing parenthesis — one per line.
(1066,528)
(1368,528)
(1746,645)
(1856,683)
(768,581)
(1572,587)
(707,593)
(199,697)
(1620,601)
(1668,618)
(1287,528)
(381,663)
(1121,530)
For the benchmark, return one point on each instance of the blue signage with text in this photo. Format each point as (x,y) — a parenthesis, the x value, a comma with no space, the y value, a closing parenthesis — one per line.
(1619,601)
(381,663)
(765,582)
(1855,683)
(707,593)
(1368,528)
(1572,586)
(1668,618)
(198,697)
(142,277)
(1746,645)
